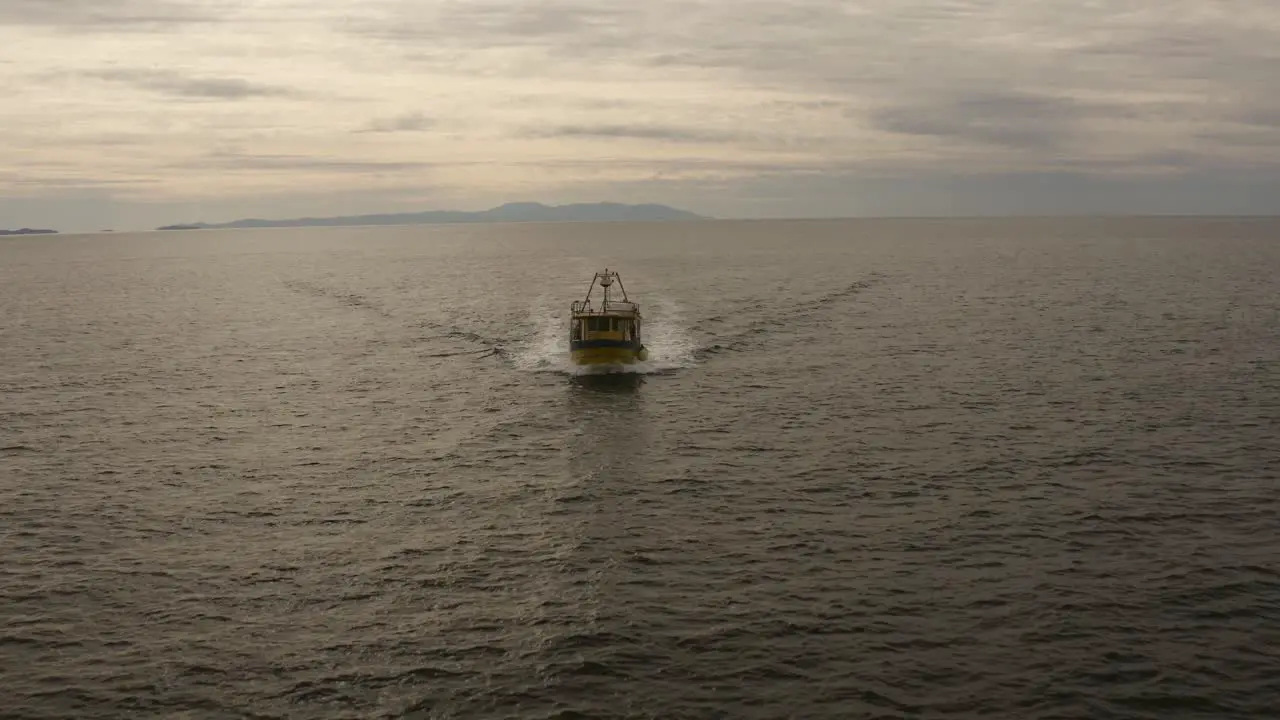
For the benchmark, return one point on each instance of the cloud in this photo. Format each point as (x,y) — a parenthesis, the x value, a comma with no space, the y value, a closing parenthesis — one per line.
(113,16)
(176,84)
(1021,121)
(637,132)
(973,71)
(326,164)
(759,105)
(1262,116)
(671,166)
(408,122)
(486,23)
(21,182)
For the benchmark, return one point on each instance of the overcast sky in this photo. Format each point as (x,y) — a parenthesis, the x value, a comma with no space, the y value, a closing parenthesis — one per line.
(133,113)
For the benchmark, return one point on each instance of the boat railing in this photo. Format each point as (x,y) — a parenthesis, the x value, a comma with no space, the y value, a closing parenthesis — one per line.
(584,307)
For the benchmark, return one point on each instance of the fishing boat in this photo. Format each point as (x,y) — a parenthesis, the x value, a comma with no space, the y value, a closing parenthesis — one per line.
(607,333)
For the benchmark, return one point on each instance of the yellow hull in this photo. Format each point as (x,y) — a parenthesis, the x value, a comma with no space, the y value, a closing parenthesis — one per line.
(607,356)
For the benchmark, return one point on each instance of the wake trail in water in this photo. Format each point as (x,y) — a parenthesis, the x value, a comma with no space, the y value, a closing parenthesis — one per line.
(669,339)
(667,336)
(443,331)
(478,354)
(767,319)
(341,297)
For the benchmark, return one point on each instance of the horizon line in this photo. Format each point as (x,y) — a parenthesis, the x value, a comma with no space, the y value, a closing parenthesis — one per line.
(708,219)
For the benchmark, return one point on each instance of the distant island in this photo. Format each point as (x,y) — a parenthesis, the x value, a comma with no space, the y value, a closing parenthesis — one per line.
(511,212)
(28,231)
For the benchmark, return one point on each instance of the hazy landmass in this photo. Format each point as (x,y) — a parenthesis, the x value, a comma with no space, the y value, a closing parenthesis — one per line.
(511,212)
(27,231)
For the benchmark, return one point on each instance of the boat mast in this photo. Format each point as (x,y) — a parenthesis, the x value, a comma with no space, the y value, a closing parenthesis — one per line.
(606,281)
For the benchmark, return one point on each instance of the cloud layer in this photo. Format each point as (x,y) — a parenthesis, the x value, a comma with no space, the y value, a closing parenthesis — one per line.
(160,107)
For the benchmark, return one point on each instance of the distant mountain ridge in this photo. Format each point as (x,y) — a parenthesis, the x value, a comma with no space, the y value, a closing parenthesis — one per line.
(28,231)
(510,212)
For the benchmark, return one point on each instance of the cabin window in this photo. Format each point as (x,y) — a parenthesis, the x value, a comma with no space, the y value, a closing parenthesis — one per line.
(608,325)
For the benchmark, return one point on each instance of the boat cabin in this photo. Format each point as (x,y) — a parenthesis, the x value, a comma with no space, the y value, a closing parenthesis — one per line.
(612,322)
(586,327)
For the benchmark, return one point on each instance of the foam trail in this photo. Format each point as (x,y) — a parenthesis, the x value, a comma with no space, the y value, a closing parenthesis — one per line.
(546,350)
(667,337)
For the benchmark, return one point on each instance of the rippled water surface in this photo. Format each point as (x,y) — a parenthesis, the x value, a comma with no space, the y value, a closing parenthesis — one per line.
(1013,469)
